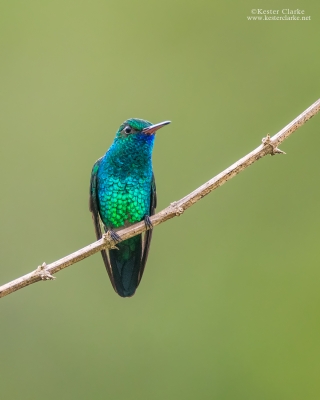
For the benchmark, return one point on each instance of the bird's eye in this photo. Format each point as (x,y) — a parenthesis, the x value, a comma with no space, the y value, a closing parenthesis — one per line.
(127,129)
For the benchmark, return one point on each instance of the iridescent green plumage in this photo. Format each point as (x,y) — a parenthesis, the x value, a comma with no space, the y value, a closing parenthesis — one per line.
(122,192)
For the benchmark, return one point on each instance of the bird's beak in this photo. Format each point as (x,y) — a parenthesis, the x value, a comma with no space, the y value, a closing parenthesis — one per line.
(151,130)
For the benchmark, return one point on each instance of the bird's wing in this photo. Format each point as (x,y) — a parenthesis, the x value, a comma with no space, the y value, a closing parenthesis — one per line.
(94,208)
(148,234)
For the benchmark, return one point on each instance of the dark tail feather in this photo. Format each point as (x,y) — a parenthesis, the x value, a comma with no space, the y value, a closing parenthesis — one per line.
(126,264)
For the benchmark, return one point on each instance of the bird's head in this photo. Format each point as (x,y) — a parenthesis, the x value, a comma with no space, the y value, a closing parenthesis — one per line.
(141,128)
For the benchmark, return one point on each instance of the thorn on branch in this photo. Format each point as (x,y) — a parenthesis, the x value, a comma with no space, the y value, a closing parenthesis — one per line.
(267,142)
(44,273)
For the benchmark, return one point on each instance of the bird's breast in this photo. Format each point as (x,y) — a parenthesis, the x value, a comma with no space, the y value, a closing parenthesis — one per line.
(124,199)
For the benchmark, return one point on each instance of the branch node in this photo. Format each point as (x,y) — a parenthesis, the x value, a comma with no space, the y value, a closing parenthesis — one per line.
(176,210)
(274,149)
(108,238)
(179,211)
(44,273)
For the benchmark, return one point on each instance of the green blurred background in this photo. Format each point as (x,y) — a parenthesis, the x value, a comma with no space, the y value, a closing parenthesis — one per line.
(229,304)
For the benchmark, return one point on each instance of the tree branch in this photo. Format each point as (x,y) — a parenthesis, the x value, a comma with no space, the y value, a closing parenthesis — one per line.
(269,146)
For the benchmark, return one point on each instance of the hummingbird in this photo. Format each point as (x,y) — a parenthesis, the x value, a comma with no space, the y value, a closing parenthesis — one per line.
(122,193)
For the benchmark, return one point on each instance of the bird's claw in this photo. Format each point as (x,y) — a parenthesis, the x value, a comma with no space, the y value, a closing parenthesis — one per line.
(147,222)
(114,236)
(111,235)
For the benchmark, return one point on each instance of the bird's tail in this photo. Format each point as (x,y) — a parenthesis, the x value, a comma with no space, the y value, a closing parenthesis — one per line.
(126,263)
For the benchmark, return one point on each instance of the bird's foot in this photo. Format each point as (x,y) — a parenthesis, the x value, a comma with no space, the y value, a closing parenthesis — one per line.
(112,236)
(147,222)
